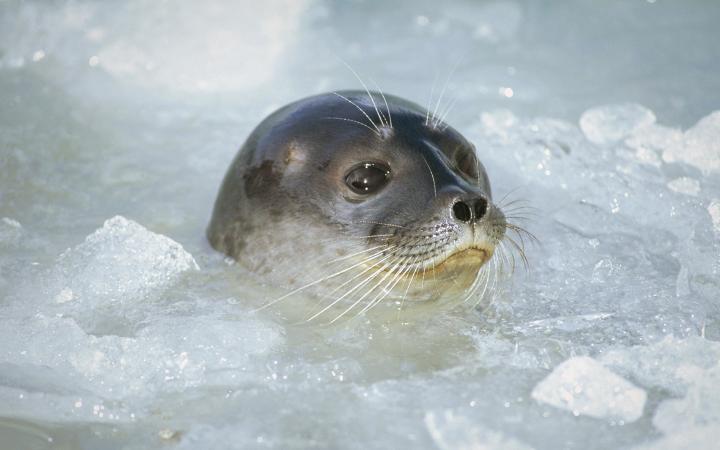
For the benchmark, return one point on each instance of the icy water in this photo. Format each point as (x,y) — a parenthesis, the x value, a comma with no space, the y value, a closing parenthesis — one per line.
(121,328)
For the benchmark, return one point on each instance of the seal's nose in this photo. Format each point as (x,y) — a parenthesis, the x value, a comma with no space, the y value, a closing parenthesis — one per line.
(464,212)
(480,209)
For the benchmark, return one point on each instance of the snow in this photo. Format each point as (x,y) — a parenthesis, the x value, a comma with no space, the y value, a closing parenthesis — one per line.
(120,327)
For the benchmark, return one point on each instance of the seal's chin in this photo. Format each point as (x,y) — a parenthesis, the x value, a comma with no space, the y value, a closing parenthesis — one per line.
(448,278)
(471,258)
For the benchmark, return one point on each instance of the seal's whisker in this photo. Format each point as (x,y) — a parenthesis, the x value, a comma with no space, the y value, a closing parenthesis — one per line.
(407,288)
(502,257)
(487,283)
(442,92)
(337,288)
(381,115)
(387,107)
(519,202)
(509,256)
(500,203)
(508,201)
(352,306)
(320,280)
(408,267)
(432,176)
(355,254)
(384,292)
(527,211)
(482,274)
(389,288)
(382,122)
(473,287)
(381,223)
(517,216)
(445,113)
(361,110)
(355,122)
(373,236)
(348,236)
(369,260)
(520,251)
(357,286)
(521,209)
(508,193)
(520,231)
(370,238)
(432,94)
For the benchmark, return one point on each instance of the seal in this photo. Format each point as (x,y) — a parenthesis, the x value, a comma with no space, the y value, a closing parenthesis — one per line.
(359,199)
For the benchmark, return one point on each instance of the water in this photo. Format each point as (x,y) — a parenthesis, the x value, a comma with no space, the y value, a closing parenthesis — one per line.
(122,328)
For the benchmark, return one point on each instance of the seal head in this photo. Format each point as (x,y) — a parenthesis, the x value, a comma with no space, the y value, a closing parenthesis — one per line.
(359,198)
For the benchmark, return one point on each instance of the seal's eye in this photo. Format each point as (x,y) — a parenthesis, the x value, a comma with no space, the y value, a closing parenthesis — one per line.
(367,178)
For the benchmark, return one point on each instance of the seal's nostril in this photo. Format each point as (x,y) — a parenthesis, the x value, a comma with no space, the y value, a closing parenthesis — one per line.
(480,208)
(462,211)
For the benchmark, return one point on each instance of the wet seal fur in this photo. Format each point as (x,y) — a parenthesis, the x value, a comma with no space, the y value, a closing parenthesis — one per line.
(360,199)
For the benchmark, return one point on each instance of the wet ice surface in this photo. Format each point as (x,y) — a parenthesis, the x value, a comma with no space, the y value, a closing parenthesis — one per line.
(121,328)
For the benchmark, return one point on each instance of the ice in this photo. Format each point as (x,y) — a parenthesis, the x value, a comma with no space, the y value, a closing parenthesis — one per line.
(451,432)
(110,377)
(699,147)
(585,387)
(134,333)
(116,267)
(714,211)
(699,437)
(10,231)
(687,368)
(608,124)
(698,408)
(667,363)
(685,185)
(76,360)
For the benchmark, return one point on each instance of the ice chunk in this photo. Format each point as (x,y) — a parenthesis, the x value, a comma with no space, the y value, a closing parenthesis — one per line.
(585,387)
(714,211)
(700,146)
(120,263)
(666,364)
(653,137)
(611,123)
(451,432)
(685,185)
